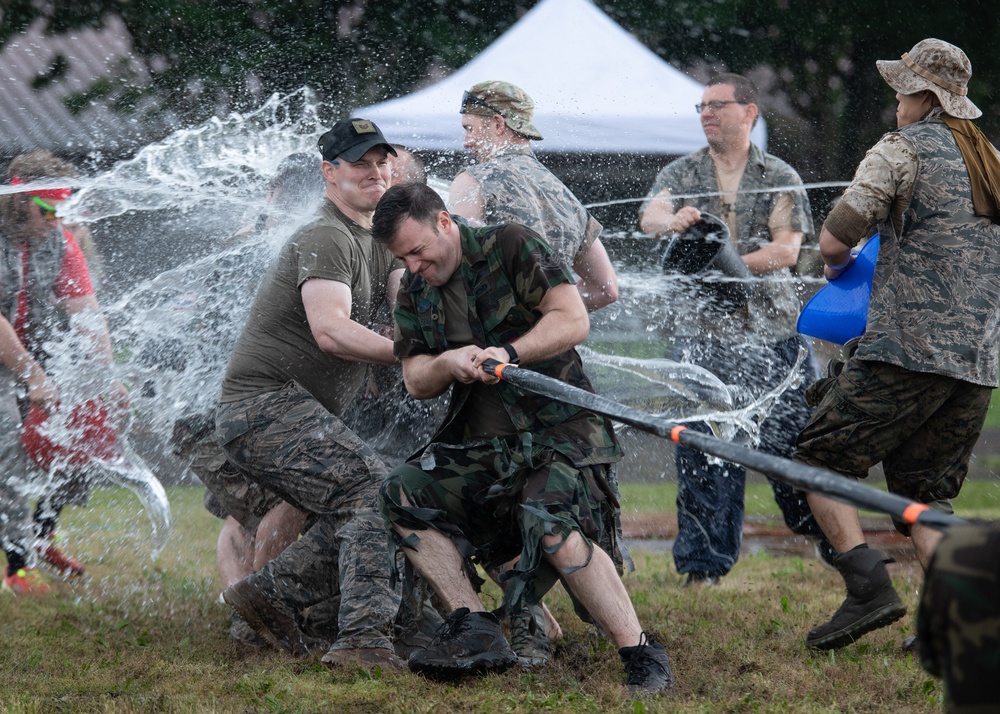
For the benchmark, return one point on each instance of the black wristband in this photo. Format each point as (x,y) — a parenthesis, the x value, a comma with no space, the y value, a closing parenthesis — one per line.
(512,353)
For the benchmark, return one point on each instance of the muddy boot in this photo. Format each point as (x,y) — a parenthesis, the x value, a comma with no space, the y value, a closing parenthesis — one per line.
(528,638)
(871,600)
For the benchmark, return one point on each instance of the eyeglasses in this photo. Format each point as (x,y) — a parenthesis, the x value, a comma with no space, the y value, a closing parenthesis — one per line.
(715,106)
(471,99)
(48,212)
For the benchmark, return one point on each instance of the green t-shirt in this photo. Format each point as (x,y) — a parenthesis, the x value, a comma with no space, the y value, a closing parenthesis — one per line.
(277,345)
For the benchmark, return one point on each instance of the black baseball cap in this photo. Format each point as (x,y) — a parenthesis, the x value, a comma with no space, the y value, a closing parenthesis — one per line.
(351,139)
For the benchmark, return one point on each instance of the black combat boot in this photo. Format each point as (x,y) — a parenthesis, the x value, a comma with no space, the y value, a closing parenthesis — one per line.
(871,600)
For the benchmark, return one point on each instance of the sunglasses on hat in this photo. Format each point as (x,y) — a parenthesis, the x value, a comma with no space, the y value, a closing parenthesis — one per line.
(469,99)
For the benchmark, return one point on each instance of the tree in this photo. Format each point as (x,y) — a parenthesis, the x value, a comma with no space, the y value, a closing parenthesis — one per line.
(826,102)
(209,56)
(820,60)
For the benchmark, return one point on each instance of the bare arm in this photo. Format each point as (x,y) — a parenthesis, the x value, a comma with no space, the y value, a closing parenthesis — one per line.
(564,324)
(428,376)
(392,287)
(465,199)
(836,254)
(18,360)
(781,252)
(660,219)
(598,283)
(328,310)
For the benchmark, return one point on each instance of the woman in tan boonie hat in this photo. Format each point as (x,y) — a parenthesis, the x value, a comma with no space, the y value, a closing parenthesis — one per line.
(935,66)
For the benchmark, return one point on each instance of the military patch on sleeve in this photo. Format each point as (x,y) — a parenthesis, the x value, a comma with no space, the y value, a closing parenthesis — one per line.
(363,126)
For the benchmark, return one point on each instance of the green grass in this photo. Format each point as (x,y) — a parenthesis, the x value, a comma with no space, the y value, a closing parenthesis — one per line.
(993,415)
(145,636)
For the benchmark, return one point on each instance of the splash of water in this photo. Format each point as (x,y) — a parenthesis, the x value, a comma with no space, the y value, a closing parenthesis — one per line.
(171,331)
(215,170)
(180,287)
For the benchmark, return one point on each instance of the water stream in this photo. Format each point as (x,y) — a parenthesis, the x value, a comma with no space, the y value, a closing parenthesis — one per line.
(178,285)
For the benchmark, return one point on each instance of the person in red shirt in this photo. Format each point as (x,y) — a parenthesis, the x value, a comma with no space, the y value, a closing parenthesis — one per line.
(45,288)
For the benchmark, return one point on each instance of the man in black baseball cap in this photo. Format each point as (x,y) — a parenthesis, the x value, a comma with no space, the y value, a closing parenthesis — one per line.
(314,328)
(350,139)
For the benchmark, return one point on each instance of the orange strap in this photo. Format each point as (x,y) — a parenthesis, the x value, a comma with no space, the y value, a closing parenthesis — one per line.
(675,433)
(913,511)
(499,370)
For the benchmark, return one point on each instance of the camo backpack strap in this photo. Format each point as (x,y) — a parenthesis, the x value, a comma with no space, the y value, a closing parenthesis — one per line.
(958,620)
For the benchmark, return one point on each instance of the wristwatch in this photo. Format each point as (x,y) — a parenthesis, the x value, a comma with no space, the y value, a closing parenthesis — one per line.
(512,353)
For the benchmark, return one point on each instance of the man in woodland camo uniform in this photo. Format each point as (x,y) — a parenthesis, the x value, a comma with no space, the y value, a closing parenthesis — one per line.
(958,621)
(915,393)
(511,476)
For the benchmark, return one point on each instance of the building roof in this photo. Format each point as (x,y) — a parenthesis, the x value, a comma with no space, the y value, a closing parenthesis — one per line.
(34,113)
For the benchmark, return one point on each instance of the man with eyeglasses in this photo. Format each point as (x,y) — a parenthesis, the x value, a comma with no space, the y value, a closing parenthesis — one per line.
(45,295)
(753,346)
(508,184)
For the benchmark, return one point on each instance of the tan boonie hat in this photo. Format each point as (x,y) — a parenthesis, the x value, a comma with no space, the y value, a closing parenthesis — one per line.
(937,66)
(506,99)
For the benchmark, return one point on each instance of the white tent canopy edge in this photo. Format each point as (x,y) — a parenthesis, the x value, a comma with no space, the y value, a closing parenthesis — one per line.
(596,88)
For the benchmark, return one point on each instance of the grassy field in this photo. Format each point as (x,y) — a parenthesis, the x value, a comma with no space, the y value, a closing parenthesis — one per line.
(142,636)
(993,415)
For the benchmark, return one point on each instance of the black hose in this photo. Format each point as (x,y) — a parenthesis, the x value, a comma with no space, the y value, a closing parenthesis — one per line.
(800,476)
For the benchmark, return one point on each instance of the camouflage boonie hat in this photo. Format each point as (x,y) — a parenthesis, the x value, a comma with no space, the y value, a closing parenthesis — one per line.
(506,99)
(937,66)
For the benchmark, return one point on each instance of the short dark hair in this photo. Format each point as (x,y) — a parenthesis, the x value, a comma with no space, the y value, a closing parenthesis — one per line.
(417,170)
(744,91)
(298,182)
(407,200)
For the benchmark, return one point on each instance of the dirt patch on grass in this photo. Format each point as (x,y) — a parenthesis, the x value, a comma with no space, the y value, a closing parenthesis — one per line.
(764,534)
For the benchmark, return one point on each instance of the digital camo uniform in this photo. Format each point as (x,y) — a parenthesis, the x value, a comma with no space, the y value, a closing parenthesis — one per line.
(330,473)
(228,492)
(550,475)
(930,346)
(936,287)
(958,620)
(517,188)
(752,347)
(278,423)
(774,306)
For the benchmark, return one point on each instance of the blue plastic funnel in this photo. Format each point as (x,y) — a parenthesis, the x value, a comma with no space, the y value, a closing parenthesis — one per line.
(839,311)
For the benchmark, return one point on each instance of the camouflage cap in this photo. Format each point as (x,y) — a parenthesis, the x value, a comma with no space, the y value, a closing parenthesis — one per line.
(506,99)
(936,66)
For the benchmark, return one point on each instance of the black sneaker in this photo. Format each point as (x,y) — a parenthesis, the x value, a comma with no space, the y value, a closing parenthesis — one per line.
(647,668)
(467,643)
(528,638)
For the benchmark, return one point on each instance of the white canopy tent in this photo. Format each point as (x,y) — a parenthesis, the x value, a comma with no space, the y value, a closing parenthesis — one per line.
(596,89)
